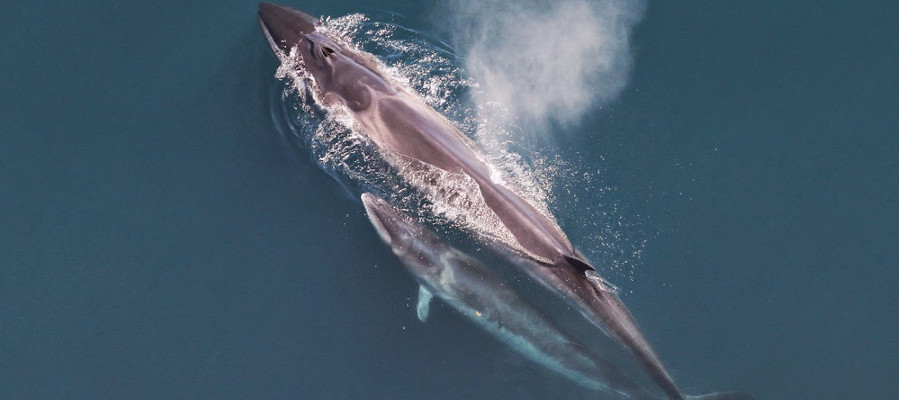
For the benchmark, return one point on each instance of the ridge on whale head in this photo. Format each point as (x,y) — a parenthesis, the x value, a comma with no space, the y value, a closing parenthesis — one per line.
(285,27)
(339,74)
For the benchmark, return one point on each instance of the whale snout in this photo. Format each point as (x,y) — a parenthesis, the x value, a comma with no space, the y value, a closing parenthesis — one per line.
(285,27)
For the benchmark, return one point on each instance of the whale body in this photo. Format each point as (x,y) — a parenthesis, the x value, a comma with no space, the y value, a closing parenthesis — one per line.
(485,299)
(411,134)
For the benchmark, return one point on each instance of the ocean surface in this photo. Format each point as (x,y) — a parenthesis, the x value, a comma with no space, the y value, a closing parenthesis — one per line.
(171,226)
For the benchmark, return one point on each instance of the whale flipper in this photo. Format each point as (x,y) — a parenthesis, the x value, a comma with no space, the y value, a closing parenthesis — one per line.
(424,303)
(403,128)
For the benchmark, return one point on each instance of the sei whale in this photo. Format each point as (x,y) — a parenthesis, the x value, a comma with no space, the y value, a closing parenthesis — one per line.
(485,299)
(407,131)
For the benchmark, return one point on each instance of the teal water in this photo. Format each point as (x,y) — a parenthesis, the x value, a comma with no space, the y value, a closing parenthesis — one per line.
(159,239)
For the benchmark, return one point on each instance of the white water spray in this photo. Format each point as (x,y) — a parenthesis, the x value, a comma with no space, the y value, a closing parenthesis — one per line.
(545,61)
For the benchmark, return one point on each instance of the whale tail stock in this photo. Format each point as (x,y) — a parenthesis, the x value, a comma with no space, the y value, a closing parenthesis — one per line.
(618,322)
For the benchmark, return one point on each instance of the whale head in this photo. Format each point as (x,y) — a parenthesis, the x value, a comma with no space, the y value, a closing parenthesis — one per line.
(339,75)
(423,254)
(287,30)
(285,27)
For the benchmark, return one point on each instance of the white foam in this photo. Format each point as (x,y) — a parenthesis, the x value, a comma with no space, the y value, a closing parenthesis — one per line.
(428,71)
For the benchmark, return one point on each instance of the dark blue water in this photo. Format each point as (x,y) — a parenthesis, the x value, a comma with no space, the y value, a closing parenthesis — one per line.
(158,239)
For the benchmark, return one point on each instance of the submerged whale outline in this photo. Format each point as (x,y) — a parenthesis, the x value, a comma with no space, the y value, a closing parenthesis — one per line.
(403,126)
(484,298)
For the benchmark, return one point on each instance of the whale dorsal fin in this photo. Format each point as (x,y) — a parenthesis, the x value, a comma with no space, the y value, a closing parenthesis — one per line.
(424,303)
(578,264)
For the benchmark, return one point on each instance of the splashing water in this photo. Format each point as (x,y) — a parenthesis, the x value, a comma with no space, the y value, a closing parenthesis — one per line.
(429,69)
(417,66)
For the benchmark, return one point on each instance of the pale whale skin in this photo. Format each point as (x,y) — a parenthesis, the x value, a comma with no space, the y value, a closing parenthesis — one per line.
(485,299)
(401,125)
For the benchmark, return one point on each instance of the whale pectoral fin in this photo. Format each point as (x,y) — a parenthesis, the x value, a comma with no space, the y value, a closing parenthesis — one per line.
(424,303)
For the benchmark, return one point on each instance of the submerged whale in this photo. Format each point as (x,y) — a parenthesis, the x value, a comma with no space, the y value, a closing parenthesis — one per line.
(485,299)
(409,132)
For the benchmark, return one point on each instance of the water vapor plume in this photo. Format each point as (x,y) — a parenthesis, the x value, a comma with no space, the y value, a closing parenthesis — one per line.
(544,61)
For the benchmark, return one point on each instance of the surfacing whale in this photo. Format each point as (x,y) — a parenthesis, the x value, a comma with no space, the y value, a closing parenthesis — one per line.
(409,132)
